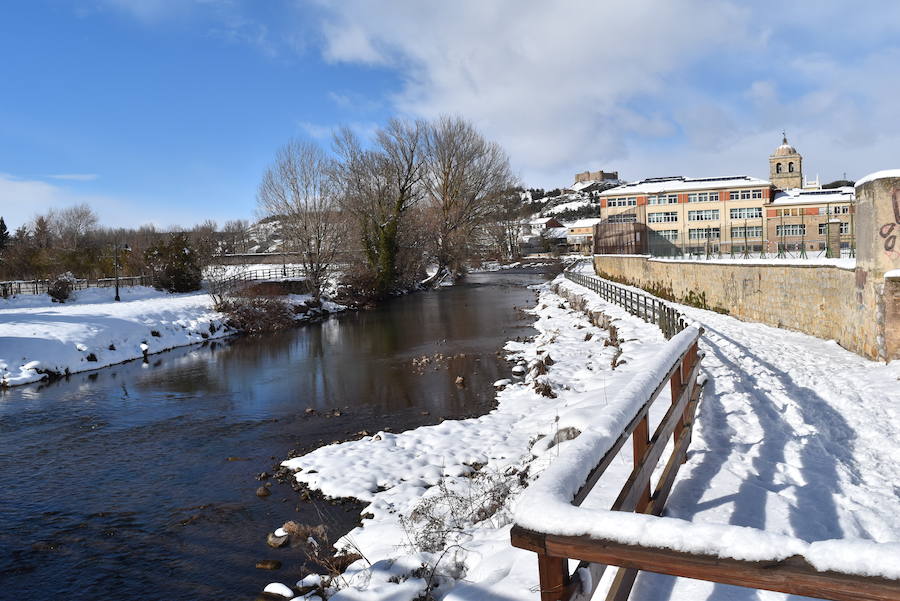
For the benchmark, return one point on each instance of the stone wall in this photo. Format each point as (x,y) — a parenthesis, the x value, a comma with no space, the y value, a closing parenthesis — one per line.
(824,301)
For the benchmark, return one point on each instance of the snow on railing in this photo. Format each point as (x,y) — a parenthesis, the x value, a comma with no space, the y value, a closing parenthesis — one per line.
(548,512)
(549,521)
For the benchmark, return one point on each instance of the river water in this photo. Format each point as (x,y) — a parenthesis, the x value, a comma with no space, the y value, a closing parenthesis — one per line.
(139,480)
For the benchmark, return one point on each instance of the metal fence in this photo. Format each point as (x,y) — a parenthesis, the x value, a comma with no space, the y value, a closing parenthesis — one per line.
(17,287)
(649,308)
(239,280)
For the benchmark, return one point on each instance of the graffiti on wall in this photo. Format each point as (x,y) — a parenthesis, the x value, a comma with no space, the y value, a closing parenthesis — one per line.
(891,231)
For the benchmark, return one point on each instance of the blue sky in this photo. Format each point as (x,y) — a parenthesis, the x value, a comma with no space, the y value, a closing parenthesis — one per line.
(167,111)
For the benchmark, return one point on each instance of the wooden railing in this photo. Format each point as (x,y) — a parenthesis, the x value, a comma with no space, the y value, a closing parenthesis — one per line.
(17,287)
(606,546)
(557,584)
(647,307)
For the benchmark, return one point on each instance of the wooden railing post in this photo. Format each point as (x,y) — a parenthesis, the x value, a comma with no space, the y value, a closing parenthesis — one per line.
(640,444)
(676,384)
(553,573)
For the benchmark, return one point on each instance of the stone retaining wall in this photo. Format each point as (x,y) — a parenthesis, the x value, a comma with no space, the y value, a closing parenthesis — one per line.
(824,301)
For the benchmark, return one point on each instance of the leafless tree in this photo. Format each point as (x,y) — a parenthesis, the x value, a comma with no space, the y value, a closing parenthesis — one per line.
(72,225)
(504,226)
(465,174)
(298,189)
(378,189)
(235,236)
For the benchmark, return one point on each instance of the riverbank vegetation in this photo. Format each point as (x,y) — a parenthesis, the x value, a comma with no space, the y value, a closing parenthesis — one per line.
(423,194)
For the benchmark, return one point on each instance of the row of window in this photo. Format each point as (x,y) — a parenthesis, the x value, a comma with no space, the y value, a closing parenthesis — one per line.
(663,199)
(622,202)
(796,212)
(713,233)
(671,199)
(623,218)
(823,228)
(705,215)
(745,194)
(750,231)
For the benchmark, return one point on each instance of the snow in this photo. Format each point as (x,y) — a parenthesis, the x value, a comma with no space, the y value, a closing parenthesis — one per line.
(791,454)
(878,175)
(590,222)
(796,196)
(92,331)
(684,184)
(277,588)
(573,205)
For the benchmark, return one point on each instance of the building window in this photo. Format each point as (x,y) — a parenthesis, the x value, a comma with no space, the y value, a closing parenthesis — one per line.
(670,235)
(790,229)
(706,233)
(663,199)
(746,213)
(704,215)
(778,168)
(744,194)
(664,217)
(750,231)
(823,228)
(791,167)
(622,202)
(787,212)
(703,197)
(623,218)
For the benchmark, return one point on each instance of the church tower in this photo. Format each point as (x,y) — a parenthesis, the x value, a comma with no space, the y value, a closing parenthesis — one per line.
(786,166)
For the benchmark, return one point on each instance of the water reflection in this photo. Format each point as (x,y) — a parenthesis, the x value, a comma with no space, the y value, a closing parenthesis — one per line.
(119,481)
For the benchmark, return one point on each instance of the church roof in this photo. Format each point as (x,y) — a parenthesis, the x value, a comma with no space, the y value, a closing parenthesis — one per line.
(785,149)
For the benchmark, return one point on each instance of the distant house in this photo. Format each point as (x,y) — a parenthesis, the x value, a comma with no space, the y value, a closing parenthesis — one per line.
(580,236)
(542,235)
(536,226)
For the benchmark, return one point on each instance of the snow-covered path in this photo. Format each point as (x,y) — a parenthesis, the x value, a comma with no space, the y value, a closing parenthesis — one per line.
(794,435)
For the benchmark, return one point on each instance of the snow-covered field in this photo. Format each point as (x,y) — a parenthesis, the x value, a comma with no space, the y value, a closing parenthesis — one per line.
(91,330)
(793,436)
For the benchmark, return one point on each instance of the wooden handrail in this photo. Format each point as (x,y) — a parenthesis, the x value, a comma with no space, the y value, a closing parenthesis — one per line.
(556,582)
(793,575)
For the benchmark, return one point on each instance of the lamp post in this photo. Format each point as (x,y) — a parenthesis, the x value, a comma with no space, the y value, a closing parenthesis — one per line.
(125,248)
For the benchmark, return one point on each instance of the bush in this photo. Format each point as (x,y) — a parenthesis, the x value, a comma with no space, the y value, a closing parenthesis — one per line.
(62,286)
(258,314)
(175,264)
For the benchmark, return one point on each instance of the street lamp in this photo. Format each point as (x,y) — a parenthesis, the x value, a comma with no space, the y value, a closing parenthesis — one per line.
(126,249)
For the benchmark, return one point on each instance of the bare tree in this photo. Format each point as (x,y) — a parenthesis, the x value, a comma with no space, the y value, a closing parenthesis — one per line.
(505,223)
(465,174)
(298,189)
(378,188)
(235,236)
(73,225)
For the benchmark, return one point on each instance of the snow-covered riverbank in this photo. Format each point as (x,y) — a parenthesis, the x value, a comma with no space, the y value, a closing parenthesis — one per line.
(453,485)
(39,337)
(791,437)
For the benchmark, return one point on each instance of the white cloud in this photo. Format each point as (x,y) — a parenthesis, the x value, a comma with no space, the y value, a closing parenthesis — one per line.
(21,199)
(646,87)
(77,177)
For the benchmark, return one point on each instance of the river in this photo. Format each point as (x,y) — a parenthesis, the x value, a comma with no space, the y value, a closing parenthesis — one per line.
(139,480)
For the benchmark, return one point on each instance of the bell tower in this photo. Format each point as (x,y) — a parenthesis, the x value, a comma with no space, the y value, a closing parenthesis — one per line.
(786,166)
